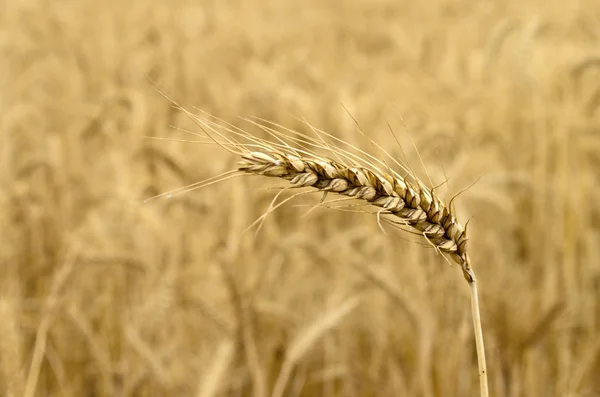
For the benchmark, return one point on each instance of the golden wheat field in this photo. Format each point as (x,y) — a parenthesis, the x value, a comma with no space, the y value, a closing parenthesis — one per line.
(105,294)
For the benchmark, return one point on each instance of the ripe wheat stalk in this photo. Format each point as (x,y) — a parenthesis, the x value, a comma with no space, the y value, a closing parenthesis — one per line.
(401,201)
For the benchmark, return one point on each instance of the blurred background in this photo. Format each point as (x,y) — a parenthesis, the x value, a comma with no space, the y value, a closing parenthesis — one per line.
(102,294)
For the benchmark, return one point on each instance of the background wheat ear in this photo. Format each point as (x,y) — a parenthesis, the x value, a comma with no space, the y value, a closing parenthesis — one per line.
(404,202)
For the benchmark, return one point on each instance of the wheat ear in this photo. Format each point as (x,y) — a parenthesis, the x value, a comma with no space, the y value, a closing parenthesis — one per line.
(411,204)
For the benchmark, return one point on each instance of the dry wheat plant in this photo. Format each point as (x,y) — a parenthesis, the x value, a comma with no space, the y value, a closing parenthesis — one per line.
(411,204)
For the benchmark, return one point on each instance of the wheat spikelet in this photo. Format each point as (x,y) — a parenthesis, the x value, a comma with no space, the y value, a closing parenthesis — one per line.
(415,205)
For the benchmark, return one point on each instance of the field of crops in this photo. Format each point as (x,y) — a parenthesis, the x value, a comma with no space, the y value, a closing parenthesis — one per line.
(105,294)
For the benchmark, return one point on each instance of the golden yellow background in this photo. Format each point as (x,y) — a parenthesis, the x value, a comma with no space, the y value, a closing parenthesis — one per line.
(102,294)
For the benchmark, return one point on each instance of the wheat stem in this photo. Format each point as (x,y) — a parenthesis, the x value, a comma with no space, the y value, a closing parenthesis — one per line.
(483,382)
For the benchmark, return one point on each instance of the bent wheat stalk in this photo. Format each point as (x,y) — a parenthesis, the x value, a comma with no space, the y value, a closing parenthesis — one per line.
(416,207)
(409,204)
